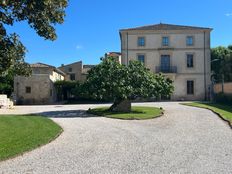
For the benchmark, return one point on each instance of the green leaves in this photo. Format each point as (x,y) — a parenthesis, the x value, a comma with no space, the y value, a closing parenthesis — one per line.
(111,81)
(41,15)
(221,58)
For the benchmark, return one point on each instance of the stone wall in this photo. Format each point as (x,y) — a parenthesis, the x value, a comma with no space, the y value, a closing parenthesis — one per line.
(227,88)
(42,89)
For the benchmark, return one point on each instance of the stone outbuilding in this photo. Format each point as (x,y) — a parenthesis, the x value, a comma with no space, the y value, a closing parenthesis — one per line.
(39,87)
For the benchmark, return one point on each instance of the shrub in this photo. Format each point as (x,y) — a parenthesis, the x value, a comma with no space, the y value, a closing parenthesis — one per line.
(223,98)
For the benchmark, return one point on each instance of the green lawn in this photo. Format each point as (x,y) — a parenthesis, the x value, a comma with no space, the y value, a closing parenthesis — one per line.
(137,113)
(19,134)
(225,111)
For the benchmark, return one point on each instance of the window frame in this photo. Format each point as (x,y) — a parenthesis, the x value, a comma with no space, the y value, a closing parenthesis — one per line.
(70,69)
(28,89)
(138,41)
(190,91)
(144,56)
(193,60)
(72,75)
(164,43)
(193,40)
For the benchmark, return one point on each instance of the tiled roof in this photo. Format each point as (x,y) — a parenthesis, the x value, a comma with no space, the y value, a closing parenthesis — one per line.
(162,26)
(41,65)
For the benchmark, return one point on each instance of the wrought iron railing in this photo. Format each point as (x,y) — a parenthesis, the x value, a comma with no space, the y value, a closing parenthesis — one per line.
(166,69)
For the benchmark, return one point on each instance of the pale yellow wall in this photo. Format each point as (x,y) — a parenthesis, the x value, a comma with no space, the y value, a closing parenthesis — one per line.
(177,50)
(56,76)
(76,69)
(42,86)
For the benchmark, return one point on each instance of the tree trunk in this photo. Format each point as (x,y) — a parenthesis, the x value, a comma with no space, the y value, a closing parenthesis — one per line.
(121,106)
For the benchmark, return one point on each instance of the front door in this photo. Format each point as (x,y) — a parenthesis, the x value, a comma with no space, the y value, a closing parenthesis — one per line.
(165,63)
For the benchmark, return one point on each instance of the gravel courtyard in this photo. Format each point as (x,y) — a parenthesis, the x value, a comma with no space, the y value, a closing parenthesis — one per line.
(184,140)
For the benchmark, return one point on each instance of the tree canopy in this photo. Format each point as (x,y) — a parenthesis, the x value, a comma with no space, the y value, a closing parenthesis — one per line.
(115,82)
(41,15)
(221,58)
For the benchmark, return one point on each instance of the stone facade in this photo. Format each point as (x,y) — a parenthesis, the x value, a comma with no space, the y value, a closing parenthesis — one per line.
(39,87)
(181,53)
(76,71)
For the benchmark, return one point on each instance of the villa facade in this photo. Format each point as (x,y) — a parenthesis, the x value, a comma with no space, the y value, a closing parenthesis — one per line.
(181,53)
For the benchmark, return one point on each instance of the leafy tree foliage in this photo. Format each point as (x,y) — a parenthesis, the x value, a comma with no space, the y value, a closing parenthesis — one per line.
(41,15)
(114,82)
(222,63)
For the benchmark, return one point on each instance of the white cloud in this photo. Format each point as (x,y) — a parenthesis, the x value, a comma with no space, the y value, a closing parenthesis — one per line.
(79,47)
(228,14)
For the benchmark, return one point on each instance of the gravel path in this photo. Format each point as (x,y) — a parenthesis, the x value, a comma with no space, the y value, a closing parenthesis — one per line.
(185,140)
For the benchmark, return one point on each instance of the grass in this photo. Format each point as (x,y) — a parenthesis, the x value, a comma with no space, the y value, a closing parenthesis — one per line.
(19,134)
(225,111)
(137,113)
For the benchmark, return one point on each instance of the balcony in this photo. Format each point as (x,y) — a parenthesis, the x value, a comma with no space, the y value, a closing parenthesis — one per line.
(166,69)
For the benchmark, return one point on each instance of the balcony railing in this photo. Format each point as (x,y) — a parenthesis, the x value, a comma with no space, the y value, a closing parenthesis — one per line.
(166,69)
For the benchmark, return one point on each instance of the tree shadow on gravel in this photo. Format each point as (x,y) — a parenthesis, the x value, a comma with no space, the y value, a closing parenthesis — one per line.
(67,114)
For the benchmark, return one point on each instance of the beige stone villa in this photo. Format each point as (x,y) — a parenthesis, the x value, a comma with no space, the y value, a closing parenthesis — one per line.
(181,53)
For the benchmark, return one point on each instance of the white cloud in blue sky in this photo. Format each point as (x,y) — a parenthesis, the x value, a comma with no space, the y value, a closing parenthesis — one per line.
(79,47)
(228,14)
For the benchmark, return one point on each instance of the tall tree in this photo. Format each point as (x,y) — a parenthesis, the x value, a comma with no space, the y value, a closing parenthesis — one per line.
(41,15)
(119,83)
(221,58)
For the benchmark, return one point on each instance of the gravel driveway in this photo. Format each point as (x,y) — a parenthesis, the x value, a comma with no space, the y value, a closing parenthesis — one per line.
(185,140)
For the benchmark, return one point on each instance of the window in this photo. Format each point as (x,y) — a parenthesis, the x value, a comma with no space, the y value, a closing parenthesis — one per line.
(190,60)
(72,77)
(190,87)
(141,58)
(70,70)
(165,41)
(141,41)
(28,89)
(51,92)
(189,40)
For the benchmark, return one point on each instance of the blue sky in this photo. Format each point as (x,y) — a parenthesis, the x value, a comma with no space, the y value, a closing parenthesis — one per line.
(91,27)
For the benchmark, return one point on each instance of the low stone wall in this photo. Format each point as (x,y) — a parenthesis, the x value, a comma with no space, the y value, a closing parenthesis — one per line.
(5,103)
(227,88)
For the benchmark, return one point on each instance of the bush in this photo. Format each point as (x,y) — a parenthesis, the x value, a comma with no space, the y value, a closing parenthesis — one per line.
(223,98)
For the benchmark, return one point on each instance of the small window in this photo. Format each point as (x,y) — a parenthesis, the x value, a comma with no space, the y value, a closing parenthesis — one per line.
(51,92)
(189,40)
(141,58)
(70,70)
(190,87)
(141,41)
(72,77)
(165,41)
(190,60)
(28,89)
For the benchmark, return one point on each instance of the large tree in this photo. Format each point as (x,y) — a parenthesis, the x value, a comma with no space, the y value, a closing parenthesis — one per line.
(41,15)
(119,83)
(221,58)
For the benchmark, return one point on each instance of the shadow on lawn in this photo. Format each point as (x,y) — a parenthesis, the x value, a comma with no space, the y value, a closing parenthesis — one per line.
(67,114)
